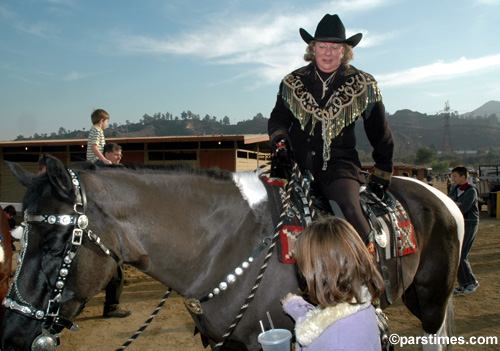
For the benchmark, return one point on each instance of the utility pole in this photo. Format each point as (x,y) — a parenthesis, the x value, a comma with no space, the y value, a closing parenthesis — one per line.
(447,148)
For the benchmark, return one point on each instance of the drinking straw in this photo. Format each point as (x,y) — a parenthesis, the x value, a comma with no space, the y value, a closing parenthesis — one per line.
(262,326)
(270,320)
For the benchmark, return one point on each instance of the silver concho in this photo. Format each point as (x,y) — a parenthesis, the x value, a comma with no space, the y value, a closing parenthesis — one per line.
(83,222)
(381,238)
(65,220)
(44,342)
(52,219)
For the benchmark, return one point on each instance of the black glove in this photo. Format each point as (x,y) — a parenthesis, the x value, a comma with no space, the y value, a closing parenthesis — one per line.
(283,152)
(282,156)
(378,182)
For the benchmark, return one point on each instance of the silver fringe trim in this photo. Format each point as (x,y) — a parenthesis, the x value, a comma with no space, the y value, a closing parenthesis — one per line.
(345,105)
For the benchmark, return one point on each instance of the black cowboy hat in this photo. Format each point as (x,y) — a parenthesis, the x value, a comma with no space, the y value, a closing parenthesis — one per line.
(331,29)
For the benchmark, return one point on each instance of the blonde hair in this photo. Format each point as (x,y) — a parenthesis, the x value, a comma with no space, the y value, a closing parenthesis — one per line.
(348,53)
(335,264)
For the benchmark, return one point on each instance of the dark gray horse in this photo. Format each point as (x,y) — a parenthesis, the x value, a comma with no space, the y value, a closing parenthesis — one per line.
(200,233)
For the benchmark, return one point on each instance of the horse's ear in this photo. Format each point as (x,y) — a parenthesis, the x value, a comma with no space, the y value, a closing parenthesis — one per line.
(58,176)
(22,175)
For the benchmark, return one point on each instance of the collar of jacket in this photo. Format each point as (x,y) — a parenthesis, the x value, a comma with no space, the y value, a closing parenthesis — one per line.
(318,320)
(307,74)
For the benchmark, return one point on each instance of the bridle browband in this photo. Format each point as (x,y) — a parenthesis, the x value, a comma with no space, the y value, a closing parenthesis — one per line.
(50,315)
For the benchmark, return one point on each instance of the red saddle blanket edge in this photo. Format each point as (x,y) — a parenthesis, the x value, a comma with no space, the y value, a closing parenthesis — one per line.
(288,235)
(289,232)
(407,249)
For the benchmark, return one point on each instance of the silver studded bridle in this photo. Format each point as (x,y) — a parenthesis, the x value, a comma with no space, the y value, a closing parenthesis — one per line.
(50,315)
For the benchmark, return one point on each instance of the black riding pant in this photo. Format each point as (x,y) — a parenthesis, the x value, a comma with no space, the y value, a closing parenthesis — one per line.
(114,289)
(345,192)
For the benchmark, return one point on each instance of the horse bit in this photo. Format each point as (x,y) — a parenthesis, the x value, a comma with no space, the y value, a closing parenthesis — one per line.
(48,340)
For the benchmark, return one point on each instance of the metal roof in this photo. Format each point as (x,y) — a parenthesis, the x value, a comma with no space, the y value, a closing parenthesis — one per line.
(246,138)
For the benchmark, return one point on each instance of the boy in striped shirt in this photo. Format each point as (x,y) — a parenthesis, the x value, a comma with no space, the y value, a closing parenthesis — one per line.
(96,142)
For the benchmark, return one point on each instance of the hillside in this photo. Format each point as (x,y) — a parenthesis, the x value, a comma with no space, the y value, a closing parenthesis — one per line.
(489,108)
(478,129)
(412,130)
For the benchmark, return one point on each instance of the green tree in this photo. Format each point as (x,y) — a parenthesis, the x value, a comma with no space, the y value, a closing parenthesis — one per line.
(424,156)
(440,166)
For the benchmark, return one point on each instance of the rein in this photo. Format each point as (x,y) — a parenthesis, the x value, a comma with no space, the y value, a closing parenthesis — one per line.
(147,322)
(50,315)
(273,238)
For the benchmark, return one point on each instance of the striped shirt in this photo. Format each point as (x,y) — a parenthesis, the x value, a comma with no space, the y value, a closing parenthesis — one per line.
(96,136)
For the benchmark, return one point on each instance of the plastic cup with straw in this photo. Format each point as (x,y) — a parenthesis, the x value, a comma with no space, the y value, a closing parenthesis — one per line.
(274,339)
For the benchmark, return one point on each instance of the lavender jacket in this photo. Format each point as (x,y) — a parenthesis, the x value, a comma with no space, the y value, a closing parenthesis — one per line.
(343,327)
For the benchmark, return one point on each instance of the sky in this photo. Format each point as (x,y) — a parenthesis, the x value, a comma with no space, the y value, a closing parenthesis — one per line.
(61,59)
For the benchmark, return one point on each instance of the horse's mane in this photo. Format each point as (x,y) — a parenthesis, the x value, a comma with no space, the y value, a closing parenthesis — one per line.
(182,168)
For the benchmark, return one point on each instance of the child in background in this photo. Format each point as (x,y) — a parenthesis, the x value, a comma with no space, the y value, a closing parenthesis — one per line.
(11,212)
(96,142)
(464,194)
(342,281)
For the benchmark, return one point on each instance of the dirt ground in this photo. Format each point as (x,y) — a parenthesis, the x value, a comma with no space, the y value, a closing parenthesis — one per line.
(476,315)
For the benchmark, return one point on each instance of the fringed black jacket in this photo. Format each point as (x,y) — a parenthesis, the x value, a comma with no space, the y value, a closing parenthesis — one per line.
(321,133)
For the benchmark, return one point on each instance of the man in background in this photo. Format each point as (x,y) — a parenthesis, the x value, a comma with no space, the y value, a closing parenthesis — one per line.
(112,308)
(113,152)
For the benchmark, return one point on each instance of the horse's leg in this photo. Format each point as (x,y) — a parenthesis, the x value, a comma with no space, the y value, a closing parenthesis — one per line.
(436,317)
(428,298)
(441,336)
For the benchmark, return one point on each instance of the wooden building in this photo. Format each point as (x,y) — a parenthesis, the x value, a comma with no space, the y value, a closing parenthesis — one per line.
(229,152)
(234,153)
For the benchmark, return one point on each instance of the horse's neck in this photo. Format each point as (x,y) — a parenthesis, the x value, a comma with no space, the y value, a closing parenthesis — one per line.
(177,229)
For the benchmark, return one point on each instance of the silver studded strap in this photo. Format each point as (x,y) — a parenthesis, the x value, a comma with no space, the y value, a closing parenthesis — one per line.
(80,222)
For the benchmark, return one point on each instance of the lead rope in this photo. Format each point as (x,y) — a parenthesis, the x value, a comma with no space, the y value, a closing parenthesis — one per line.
(148,321)
(286,205)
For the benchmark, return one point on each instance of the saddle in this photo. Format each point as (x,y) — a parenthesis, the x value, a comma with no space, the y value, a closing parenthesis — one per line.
(392,233)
